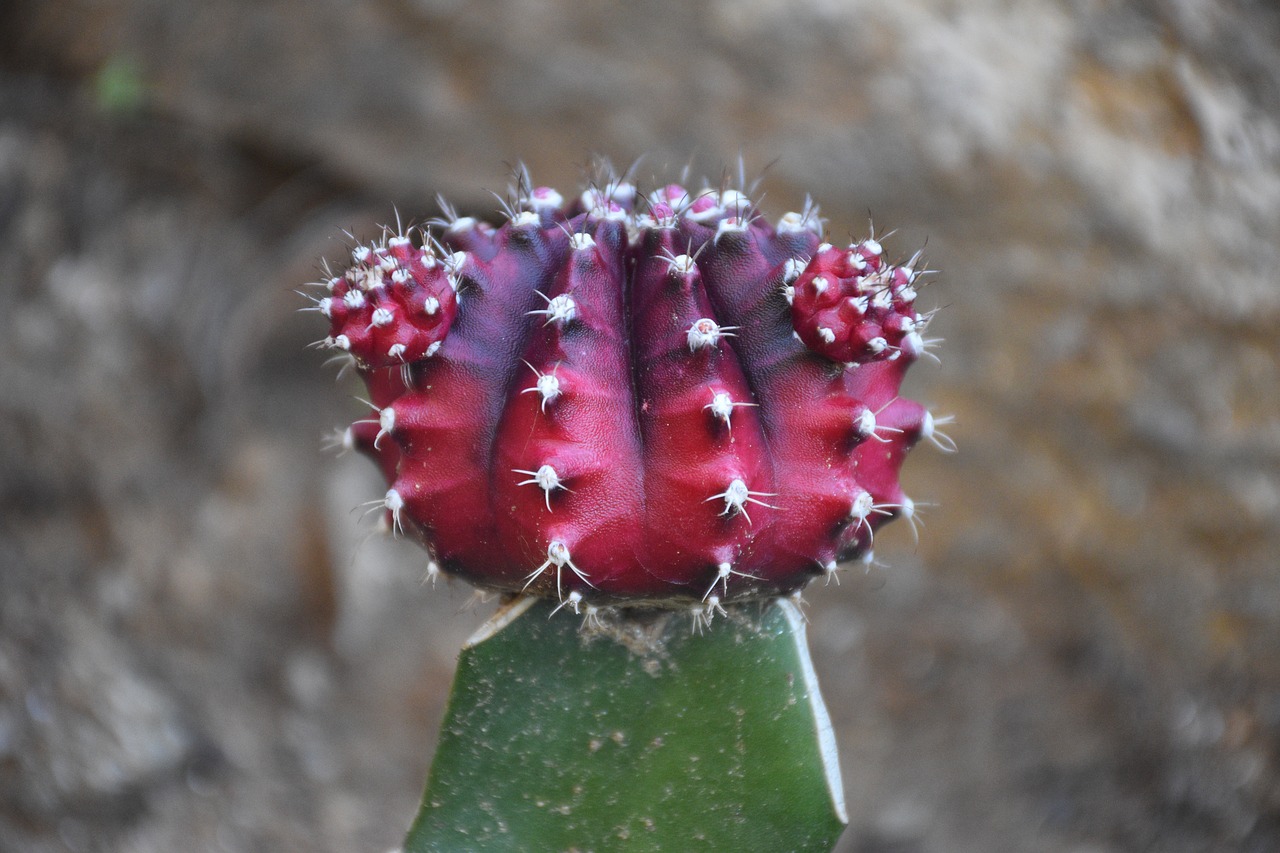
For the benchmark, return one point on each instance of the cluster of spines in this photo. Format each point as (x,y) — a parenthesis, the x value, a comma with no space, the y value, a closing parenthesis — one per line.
(851,306)
(655,399)
(395,304)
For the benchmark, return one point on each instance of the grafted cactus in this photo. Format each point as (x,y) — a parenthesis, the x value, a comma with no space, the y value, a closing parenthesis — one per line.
(620,399)
(634,403)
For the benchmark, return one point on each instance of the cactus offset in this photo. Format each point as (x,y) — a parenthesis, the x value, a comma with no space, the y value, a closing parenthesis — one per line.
(668,402)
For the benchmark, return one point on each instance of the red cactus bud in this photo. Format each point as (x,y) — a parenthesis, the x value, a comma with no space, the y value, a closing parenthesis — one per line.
(394,305)
(613,406)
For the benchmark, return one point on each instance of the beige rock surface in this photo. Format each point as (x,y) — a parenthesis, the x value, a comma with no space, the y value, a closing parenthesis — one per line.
(200,649)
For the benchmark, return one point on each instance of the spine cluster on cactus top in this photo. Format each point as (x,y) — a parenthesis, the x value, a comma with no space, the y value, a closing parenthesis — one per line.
(634,399)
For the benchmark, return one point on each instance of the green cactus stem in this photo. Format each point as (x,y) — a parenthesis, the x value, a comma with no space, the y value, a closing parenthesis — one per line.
(634,734)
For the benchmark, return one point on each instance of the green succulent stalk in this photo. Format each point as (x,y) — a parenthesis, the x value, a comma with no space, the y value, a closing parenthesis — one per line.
(641,736)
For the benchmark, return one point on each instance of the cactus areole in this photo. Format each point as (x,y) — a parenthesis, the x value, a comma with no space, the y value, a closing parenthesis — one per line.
(621,399)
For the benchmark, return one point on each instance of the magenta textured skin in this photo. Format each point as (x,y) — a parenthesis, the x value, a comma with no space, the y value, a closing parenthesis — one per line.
(634,400)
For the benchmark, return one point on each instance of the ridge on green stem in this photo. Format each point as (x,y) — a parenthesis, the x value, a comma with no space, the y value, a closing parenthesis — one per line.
(637,734)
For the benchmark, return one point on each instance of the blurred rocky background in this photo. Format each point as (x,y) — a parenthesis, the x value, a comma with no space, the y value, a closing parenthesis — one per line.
(203,648)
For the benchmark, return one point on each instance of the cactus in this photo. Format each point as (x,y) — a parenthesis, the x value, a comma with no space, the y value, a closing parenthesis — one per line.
(621,399)
(627,404)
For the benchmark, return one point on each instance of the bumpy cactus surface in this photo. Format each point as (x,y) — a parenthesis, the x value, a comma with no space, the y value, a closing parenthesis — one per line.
(657,400)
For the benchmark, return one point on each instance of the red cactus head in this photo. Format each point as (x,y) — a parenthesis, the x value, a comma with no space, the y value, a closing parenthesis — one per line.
(639,401)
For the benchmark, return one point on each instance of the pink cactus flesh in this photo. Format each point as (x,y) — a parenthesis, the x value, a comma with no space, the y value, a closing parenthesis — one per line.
(630,400)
